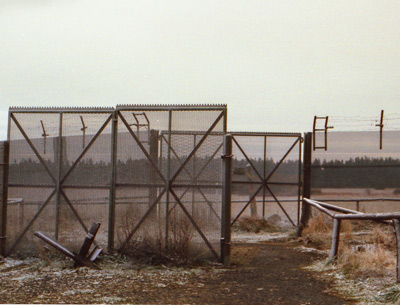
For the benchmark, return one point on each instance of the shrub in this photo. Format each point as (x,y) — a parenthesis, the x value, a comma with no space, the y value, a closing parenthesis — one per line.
(149,245)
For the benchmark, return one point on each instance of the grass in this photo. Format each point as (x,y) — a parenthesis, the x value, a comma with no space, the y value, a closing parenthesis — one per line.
(318,232)
(254,225)
(373,261)
(150,246)
(365,268)
(360,255)
(391,296)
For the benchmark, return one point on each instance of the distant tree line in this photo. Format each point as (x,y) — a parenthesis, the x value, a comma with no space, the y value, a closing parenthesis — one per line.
(139,171)
(354,173)
(363,172)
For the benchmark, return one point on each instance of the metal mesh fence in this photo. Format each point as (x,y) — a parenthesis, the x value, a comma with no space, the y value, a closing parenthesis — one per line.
(162,169)
(266,179)
(173,197)
(354,172)
(59,173)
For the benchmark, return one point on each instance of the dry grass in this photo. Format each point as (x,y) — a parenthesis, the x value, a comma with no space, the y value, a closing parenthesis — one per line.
(318,232)
(374,260)
(321,223)
(364,255)
(384,237)
(254,225)
(149,245)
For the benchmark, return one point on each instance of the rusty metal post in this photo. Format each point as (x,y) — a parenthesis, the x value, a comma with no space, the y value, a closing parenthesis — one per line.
(396,223)
(153,152)
(226,201)
(305,207)
(264,177)
(313,134)
(4,159)
(380,125)
(59,173)
(299,189)
(168,182)
(335,239)
(113,181)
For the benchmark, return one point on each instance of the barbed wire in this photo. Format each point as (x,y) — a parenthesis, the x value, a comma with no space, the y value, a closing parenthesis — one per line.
(391,122)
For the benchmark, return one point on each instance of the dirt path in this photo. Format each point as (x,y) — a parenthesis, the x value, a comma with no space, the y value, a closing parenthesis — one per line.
(266,273)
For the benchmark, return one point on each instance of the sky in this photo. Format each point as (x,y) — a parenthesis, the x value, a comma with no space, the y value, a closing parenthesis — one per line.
(275,64)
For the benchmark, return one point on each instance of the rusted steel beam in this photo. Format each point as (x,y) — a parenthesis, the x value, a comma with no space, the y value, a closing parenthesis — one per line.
(87,243)
(65,251)
(305,207)
(94,254)
(226,211)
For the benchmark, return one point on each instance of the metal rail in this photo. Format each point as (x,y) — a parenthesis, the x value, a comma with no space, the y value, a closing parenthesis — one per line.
(347,214)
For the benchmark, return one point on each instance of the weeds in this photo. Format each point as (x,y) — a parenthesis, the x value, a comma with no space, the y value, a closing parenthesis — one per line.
(254,225)
(151,245)
(390,296)
(371,261)
(318,232)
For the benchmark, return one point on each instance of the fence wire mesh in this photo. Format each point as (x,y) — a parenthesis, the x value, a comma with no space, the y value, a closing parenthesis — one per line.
(174,192)
(59,164)
(266,177)
(354,172)
(147,175)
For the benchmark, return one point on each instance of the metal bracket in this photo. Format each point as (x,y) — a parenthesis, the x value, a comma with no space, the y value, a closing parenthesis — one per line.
(226,156)
(325,130)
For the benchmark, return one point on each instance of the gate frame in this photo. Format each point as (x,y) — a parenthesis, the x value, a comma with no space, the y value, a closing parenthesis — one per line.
(263,182)
(167,184)
(57,178)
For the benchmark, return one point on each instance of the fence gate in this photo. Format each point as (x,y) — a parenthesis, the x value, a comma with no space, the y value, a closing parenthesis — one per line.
(169,179)
(59,174)
(266,177)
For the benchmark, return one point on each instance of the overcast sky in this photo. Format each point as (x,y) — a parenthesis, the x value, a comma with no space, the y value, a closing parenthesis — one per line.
(275,64)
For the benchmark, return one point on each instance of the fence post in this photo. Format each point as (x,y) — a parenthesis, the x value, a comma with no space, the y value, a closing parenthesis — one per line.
(60,159)
(153,176)
(4,159)
(305,207)
(335,239)
(112,194)
(396,223)
(226,201)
